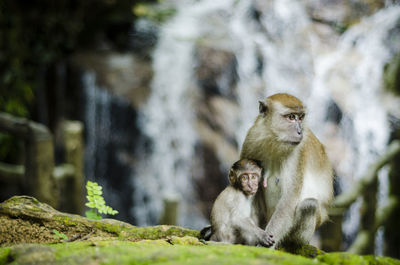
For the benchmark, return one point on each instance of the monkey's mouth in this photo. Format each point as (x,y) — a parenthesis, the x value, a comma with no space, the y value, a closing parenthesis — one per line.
(293,142)
(251,191)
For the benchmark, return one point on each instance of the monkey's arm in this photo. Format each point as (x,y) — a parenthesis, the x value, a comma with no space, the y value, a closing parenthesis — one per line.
(281,220)
(251,234)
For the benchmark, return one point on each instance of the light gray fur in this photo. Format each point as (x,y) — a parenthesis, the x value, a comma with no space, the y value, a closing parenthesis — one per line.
(234,219)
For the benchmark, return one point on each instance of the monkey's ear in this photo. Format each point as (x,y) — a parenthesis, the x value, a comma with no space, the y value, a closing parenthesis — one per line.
(263,108)
(232,176)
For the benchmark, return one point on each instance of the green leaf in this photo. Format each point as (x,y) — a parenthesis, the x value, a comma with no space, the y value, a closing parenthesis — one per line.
(59,235)
(90,204)
(92,214)
(96,202)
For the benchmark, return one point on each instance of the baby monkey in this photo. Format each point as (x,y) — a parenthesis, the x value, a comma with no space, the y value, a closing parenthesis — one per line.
(234,216)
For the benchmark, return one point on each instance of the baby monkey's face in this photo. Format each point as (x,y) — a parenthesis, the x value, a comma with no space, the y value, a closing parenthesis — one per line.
(249,182)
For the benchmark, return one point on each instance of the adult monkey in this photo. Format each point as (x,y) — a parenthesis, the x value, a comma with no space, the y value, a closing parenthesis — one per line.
(298,172)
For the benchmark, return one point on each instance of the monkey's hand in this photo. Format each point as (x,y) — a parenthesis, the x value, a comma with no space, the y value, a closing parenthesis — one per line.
(266,240)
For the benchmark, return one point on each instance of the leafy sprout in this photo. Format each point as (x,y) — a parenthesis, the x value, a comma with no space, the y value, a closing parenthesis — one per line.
(59,235)
(96,202)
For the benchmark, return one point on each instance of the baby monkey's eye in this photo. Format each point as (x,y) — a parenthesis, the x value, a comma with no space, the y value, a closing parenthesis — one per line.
(243,177)
(253,176)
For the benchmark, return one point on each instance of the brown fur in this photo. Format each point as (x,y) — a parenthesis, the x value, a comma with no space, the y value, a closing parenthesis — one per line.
(286,100)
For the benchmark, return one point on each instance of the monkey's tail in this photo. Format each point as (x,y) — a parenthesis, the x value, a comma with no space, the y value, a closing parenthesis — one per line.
(206,233)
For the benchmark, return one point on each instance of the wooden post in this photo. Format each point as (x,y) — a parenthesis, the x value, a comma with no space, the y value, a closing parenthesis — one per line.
(331,231)
(72,143)
(39,164)
(13,174)
(39,159)
(367,216)
(170,215)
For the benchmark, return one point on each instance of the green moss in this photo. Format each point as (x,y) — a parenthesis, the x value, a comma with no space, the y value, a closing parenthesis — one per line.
(111,228)
(148,252)
(4,252)
(386,260)
(32,254)
(162,242)
(15,200)
(343,258)
(160,231)
(186,240)
(186,250)
(307,251)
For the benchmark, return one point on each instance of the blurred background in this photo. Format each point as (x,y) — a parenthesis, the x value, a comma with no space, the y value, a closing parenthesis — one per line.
(152,100)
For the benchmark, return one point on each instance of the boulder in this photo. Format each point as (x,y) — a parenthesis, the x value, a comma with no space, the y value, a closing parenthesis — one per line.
(27,226)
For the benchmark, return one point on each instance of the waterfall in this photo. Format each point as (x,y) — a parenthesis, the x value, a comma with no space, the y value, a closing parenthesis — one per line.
(278,51)
(98,130)
(168,120)
(273,55)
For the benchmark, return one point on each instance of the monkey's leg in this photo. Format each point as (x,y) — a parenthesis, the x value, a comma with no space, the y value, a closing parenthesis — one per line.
(226,235)
(305,220)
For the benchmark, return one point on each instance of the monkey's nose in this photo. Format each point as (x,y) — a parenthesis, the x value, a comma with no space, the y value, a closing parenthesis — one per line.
(298,128)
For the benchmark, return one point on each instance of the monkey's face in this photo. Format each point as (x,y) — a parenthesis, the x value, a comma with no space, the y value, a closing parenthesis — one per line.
(249,182)
(288,124)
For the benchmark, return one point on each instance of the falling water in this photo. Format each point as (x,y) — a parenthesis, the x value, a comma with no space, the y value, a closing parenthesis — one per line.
(168,120)
(273,54)
(363,53)
(97,121)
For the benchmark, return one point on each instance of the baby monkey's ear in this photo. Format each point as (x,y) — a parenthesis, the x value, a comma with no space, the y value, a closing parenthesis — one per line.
(232,176)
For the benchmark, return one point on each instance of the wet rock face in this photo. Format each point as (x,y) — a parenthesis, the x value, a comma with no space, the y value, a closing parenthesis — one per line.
(217,117)
(126,75)
(126,82)
(215,71)
(341,12)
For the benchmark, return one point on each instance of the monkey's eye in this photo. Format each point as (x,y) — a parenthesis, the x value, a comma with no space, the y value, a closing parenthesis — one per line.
(243,177)
(291,117)
(301,116)
(253,177)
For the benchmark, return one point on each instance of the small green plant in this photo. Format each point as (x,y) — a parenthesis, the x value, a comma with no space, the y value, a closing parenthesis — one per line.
(96,202)
(59,235)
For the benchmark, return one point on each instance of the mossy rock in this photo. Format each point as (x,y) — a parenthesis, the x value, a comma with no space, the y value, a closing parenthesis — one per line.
(24,219)
(344,258)
(26,237)
(163,252)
